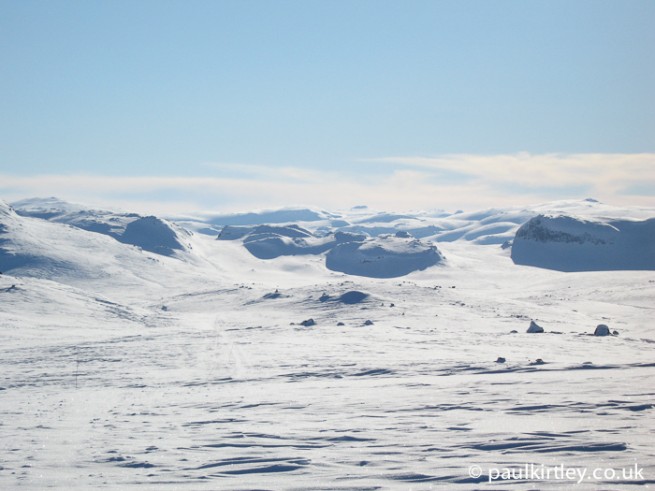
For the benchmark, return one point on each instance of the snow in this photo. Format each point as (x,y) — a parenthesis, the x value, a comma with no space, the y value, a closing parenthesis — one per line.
(150,233)
(353,297)
(268,217)
(382,257)
(123,368)
(232,232)
(570,243)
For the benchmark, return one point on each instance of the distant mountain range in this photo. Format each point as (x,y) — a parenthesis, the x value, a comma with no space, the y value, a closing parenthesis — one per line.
(49,238)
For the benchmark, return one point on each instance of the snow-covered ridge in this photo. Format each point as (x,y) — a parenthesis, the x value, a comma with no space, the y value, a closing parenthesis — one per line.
(568,236)
(150,233)
(570,243)
(484,227)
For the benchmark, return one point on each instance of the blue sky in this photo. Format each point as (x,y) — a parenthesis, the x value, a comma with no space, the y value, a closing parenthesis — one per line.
(257,93)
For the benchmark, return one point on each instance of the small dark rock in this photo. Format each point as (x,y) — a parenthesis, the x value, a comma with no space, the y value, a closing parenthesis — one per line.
(368,323)
(501,360)
(308,323)
(602,330)
(535,328)
(340,324)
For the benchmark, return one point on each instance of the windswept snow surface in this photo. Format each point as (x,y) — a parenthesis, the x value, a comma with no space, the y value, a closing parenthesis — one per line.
(125,369)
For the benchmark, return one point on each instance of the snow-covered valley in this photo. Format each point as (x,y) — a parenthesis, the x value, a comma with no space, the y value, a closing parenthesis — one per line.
(126,365)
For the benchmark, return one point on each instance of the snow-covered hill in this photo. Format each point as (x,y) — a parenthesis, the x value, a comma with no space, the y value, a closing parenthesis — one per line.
(48,249)
(484,227)
(386,256)
(569,243)
(150,233)
(363,242)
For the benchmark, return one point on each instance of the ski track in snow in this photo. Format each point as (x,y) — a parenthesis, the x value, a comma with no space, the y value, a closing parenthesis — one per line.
(208,380)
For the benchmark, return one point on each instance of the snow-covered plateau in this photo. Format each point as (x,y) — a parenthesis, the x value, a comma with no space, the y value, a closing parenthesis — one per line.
(178,353)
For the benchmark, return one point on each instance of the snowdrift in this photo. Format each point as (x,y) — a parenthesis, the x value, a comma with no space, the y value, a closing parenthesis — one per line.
(570,243)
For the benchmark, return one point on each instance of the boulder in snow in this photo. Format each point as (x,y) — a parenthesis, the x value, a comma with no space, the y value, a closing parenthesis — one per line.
(602,330)
(535,328)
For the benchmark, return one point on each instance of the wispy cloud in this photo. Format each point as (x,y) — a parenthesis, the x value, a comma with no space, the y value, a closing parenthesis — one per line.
(602,173)
(411,182)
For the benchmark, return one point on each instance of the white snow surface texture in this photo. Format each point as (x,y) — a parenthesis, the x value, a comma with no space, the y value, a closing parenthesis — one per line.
(178,353)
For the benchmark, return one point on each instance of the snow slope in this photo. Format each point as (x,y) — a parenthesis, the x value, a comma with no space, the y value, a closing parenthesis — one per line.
(39,248)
